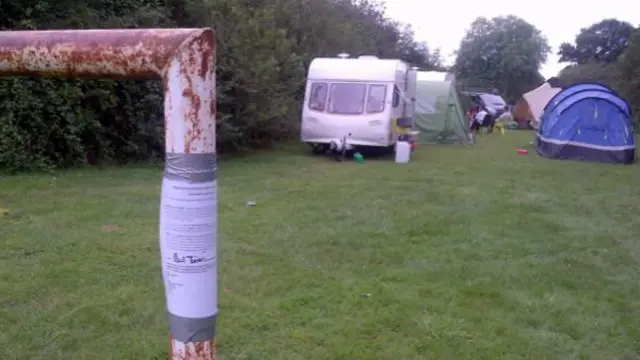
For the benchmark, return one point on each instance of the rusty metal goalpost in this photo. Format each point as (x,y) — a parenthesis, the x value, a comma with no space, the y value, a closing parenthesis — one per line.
(184,59)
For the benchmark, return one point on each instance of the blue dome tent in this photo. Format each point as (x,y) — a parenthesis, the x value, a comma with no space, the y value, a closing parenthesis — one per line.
(587,122)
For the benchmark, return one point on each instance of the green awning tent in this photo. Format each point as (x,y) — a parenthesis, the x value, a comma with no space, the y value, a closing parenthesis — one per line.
(438,116)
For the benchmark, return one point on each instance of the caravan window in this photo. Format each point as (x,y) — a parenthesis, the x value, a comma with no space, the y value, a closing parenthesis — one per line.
(318,98)
(376,99)
(396,96)
(347,98)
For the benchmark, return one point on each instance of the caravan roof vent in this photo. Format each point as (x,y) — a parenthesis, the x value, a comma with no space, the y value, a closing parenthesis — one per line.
(343,56)
(367,57)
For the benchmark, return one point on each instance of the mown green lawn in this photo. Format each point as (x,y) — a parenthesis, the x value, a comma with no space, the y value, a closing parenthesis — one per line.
(465,253)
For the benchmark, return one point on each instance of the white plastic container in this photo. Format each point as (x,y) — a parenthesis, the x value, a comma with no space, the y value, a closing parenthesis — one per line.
(403,152)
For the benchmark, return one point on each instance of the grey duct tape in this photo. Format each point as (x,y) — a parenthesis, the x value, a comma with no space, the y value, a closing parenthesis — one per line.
(190,167)
(191,329)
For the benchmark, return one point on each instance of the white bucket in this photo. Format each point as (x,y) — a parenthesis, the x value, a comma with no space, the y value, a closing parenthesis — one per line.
(403,152)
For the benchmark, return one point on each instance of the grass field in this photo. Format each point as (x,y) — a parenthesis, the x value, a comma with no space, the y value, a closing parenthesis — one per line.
(464,253)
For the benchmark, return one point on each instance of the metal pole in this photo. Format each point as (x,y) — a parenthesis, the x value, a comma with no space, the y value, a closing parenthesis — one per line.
(185,60)
(188,214)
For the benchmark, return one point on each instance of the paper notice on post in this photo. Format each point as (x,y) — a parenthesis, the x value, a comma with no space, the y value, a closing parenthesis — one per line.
(188,246)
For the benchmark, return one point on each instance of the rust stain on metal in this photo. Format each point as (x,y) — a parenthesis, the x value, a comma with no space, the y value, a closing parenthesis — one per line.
(197,64)
(211,57)
(192,116)
(207,44)
(194,351)
(126,53)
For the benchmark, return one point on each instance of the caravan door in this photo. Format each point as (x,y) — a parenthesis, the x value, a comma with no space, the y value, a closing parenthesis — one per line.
(411,84)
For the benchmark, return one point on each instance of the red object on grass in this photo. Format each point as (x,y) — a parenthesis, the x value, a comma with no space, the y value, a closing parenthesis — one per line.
(523,151)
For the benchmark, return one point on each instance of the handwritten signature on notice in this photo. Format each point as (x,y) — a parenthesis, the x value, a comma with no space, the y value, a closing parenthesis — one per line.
(188,259)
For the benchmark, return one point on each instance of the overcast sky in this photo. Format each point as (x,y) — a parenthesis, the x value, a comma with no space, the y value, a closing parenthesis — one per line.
(442,24)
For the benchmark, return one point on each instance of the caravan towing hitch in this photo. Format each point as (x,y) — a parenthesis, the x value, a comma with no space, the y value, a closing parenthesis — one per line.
(339,151)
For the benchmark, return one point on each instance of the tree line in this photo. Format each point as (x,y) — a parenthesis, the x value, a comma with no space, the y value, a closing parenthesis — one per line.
(263,50)
(506,53)
(607,52)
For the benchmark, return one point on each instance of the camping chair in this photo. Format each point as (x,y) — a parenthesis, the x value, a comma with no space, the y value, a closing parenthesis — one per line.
(502,121)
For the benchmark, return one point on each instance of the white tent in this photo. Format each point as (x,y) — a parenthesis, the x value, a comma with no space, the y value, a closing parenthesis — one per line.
(537,99)
(435,76)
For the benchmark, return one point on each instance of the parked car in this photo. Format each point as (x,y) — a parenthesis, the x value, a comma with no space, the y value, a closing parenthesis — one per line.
(494,103)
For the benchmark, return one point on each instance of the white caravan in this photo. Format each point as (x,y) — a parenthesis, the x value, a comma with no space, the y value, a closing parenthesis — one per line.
(356,100)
